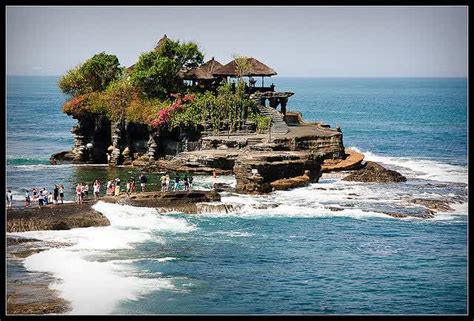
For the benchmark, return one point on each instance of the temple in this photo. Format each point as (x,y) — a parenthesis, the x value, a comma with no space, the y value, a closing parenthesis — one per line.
(202,148)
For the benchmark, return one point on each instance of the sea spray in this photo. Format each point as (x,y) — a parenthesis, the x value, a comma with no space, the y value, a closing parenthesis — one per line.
(95,286)
(420,168)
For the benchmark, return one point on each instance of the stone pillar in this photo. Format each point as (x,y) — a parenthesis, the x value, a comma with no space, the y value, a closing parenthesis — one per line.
(127,152)
(80,151)
(116,157)
(283,102)
(153,146)
(274,102)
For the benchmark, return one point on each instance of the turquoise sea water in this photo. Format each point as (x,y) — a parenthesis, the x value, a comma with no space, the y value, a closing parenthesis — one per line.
(287,252)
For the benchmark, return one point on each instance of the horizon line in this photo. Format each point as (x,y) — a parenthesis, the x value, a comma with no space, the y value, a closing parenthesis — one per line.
(292,76)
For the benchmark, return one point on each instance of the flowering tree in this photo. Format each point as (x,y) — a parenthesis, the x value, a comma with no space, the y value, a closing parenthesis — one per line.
(164,115)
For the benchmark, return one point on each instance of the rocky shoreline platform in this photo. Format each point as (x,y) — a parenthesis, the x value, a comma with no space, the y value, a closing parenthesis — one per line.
(54,217)
(71,215)
(29,292)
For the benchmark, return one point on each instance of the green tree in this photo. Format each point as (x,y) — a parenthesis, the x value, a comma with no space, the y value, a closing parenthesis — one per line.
(95,74)
(157,72)
(118,96)
(242,66)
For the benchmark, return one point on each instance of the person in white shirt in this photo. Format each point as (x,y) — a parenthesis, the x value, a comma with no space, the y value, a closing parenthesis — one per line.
(9,199)
(96,189)
(86,190)
(27,199)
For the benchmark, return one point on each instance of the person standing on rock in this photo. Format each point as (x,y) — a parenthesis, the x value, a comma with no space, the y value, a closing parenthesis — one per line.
(9,199)
(45,196)
(117,186)
(79,193)
(133,185)
(35,195)
(176,182)
(50,198)
(55,194)
(190,183)
(186,183)
(96,189)
(163,183)
(143,181)
(86,190)
(40,197)
(61,193)
(214,179)
(27,199)
(129,187)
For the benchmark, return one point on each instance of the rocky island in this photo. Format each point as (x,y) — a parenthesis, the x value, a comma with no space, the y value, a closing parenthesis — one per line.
(170,111)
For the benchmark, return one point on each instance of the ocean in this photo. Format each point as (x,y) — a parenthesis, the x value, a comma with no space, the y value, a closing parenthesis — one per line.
(323,249)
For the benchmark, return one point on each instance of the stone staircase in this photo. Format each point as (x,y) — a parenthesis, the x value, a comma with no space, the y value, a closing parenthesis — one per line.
(279,125)
(254,141)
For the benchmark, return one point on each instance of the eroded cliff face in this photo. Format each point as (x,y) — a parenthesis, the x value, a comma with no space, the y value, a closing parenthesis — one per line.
(255,173)
(95,130)
(99,140)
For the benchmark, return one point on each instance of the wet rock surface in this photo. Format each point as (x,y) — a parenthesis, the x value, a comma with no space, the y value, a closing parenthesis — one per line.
(434,204)
(182,201)
(62,157)
(29,292)
(289,183)
(374,172)
(216,208)
(352,160)
(54,217)
(256,172)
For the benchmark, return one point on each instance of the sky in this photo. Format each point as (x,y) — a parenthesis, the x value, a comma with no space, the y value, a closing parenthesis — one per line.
(294,41)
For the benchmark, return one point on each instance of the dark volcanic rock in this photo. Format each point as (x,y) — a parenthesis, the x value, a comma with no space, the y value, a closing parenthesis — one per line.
(54,217)
(223,187)
(64,156)
(256,172)
(373,172)
(180,201)
(217,208)
(434,205)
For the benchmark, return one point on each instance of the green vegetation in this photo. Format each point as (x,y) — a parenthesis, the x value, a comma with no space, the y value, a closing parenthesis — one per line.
(93,75)
(152,91)
(262,122)
(156,73)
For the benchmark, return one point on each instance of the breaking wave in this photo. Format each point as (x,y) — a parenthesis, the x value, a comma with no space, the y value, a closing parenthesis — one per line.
(94,286)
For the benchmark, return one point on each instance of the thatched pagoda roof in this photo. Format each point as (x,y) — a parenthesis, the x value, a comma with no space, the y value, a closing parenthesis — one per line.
(257,68)
(204,71)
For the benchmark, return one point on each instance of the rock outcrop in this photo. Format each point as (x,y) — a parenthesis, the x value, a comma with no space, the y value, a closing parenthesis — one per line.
(64,156)
(433,204)
(288,183)
(181,201)
(351,161)
(374,172)
(54,217)
(255,172)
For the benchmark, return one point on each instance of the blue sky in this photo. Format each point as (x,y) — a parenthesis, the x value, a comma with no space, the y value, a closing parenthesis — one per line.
(295,41)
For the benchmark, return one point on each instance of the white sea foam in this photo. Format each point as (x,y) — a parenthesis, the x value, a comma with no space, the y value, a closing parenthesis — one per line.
(93,286)
(204,182)
(129,261)
(234,233)
(421,168)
